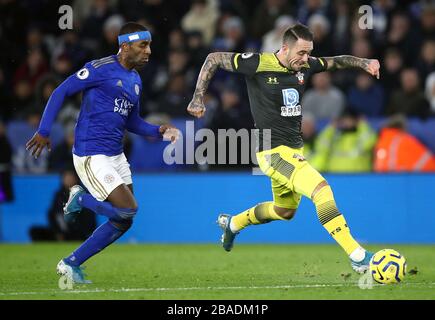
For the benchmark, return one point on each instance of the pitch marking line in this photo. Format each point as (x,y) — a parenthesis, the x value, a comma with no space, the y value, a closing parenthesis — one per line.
(197,288)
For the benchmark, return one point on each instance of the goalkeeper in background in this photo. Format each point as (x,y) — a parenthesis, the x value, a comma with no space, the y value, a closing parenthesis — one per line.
(276,82)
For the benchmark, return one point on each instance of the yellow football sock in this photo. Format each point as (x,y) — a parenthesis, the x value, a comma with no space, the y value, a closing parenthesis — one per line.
(333,221)
(261,213)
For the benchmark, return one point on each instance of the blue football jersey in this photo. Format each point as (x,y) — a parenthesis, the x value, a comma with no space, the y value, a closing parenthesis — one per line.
(111,94)
(110,105)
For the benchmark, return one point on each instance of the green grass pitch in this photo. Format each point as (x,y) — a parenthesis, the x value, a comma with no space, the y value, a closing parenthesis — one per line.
(206,271)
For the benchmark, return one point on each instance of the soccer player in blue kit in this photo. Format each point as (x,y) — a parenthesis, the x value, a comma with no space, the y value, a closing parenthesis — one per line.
(111,90)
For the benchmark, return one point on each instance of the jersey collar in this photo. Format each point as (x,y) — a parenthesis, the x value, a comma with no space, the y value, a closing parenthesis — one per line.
(279,62)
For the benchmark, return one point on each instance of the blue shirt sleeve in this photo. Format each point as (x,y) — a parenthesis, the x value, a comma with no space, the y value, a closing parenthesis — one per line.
(138,126)
(85,78)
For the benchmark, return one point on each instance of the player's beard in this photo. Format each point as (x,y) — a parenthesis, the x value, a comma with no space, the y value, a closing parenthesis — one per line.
(295,64)
(140,62)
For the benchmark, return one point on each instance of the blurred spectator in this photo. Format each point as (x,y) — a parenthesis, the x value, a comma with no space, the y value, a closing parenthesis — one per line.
(426,63)
(202,17)
(5,98)
(43,91)
(33,68)
(58,229)
(323,101)
(232,114)
(92,25)
(266,13)
(320,27)
(197,50)
(22,160)
(14,21)
(341,27)
(401,37)
(177,40)
(430,91)
(381,14)
(362,48)
(22,100)
(177,64)
(345,145)
(62,67)
(410,99)
(427,20)
(367,96)
(233,38)
(70,45)
(174,100)
(397,150)
(272,40)
(6,190)
(311,7)
(109,42)
(60,158)
(391,69)
(309,134)
(356,32)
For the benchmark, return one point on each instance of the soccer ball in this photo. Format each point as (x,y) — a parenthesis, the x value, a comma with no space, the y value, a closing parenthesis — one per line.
(388,266)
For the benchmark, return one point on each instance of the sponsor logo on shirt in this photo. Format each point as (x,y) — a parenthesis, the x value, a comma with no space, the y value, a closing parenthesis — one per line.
(122,106)
(272,80)
(291,107)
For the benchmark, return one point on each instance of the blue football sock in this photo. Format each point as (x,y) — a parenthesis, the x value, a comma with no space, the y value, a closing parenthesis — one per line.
(99,207)
(103,236)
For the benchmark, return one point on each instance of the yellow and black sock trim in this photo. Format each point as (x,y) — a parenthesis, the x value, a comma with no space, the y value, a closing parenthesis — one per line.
(327,211)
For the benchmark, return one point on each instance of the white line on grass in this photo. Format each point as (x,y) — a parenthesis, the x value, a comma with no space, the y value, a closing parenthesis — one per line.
(198,288)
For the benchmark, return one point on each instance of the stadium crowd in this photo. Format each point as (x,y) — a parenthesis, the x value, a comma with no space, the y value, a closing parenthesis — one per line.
(350,118)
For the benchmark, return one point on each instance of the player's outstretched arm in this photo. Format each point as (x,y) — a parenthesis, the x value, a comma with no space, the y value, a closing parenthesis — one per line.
(83,79)
(341,62)
(213,61)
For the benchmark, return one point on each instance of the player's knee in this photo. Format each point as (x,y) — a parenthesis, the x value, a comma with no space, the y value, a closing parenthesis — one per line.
(126,213)
(122,225)
(317,189)
(285,213)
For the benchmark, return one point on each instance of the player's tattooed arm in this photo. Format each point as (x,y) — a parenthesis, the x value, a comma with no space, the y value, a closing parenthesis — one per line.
(213,61)
(341,62)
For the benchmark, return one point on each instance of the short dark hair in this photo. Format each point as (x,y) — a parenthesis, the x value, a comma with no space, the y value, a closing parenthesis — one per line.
(131,27)
(298,31)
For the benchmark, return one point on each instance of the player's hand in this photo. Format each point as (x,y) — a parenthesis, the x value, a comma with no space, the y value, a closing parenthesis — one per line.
(373,68)
(196,107)
(37,144)
(169,133)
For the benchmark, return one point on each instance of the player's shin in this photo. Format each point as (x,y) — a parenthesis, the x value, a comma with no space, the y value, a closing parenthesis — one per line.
(103,236)
(261,213)
(333,221)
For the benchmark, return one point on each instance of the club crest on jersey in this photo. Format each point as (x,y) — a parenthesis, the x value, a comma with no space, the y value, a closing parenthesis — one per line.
(122,106)
(300,77)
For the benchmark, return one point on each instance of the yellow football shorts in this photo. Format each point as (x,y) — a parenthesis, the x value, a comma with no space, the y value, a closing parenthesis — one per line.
(291,175)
